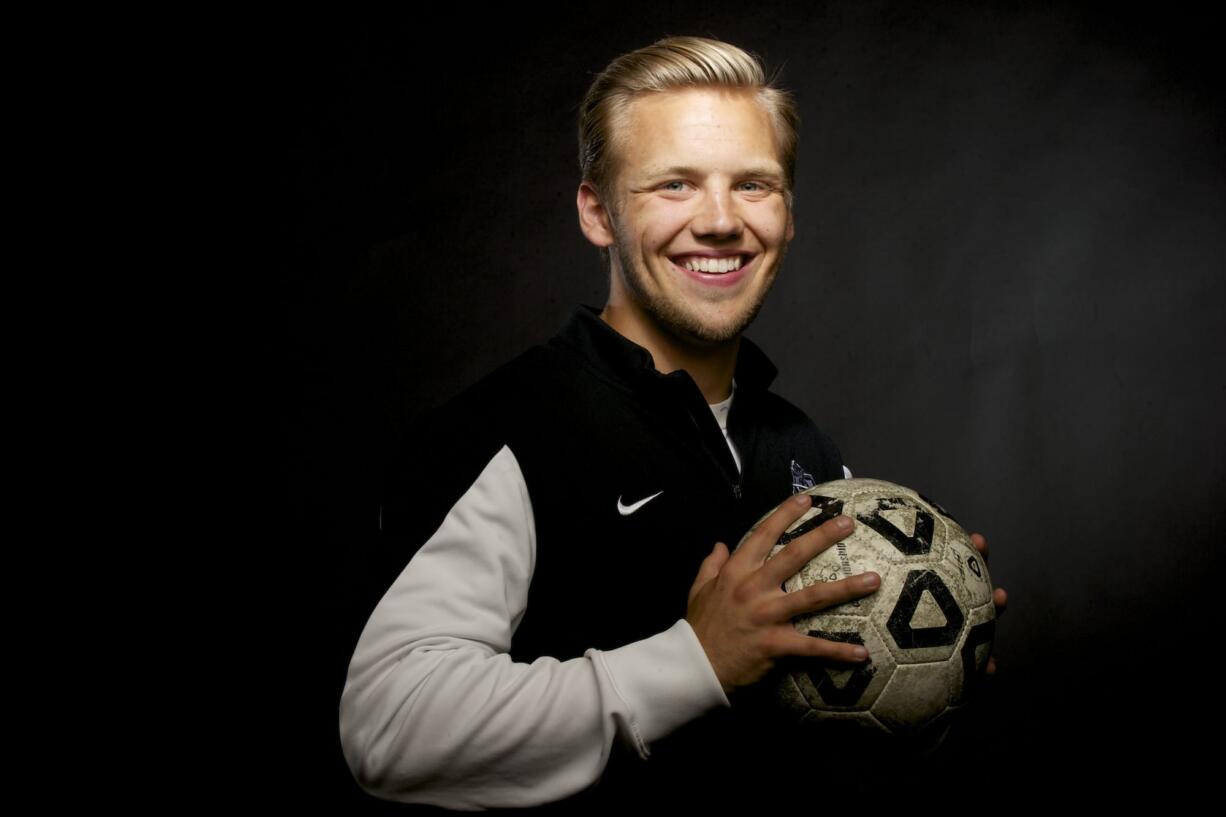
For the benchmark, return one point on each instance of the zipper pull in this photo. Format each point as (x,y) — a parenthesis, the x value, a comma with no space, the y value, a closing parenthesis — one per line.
(736,490)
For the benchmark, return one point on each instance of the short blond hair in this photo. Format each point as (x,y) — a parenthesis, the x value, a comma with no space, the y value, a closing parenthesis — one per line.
(672,64)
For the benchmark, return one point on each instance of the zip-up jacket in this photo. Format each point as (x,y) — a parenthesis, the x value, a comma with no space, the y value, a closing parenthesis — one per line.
(538,540)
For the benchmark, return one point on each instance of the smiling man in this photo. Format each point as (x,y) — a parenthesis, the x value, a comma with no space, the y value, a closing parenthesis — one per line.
(555,615)
(700,218)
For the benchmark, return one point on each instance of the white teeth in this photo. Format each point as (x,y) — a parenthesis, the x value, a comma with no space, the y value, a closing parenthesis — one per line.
(714,264)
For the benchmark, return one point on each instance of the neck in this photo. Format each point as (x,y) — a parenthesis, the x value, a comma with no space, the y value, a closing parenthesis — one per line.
(711,366)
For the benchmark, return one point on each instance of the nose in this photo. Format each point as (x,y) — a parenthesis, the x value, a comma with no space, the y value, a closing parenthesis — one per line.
(718,216)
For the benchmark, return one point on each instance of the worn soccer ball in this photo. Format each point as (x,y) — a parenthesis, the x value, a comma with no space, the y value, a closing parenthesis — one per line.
(928,628)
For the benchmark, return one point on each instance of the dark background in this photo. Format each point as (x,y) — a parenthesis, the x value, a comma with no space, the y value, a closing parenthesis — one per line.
(1006,290)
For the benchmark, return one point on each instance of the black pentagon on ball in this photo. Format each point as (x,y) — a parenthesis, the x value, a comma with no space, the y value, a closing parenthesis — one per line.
(899,625)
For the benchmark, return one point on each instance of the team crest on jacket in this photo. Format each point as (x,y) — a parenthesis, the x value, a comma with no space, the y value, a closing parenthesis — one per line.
(802,480)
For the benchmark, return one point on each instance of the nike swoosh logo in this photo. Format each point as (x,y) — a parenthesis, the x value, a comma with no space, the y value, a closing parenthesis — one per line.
(626,510)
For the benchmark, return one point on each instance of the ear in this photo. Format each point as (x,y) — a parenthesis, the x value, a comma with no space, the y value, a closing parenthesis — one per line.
(594,216)
(791,227)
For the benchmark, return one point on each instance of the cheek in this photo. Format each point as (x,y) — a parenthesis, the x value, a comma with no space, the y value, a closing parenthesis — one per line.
(660,223)
(655,238)
(773,227)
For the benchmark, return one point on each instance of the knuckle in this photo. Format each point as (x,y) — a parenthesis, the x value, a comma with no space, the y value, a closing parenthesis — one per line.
(759,615)
(743,592)
(765,645)
(827,594)
(797,553)
(818,595)
(811,543)
(779,642)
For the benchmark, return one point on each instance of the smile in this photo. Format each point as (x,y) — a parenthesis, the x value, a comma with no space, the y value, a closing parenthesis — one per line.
(726,271)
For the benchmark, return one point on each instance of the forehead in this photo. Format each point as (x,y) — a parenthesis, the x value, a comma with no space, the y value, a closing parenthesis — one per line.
(720,127)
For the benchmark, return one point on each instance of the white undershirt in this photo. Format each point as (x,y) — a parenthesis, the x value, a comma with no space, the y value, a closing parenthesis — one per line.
(720,410)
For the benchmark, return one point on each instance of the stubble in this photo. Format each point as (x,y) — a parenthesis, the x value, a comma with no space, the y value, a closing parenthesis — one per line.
(686,325)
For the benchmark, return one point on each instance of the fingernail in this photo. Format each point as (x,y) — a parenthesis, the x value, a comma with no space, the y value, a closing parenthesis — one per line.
(843,522)
(803,499)
(861,653)
(870,580)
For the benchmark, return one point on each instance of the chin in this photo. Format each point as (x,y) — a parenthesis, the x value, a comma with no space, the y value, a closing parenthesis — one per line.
(711,333)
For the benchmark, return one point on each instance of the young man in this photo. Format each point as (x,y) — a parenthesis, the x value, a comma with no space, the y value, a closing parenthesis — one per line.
(535,640)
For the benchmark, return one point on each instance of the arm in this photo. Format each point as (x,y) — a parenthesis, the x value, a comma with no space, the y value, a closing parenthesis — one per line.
(434,710)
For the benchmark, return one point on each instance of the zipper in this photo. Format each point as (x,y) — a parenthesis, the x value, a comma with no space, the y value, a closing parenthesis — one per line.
(737,492)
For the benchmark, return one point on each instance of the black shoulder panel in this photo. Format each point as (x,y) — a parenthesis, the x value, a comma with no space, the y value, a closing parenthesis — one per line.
(439,459)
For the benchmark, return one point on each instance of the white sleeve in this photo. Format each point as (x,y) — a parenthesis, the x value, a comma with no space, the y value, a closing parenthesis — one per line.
(434,710)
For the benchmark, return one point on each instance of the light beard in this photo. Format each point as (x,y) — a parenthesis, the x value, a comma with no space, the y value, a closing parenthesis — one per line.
(681,324)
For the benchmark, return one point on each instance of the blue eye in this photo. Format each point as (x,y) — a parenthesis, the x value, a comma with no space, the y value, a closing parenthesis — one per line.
(669,185)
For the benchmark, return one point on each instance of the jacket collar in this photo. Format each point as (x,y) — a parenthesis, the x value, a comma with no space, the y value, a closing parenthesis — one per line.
(621,358)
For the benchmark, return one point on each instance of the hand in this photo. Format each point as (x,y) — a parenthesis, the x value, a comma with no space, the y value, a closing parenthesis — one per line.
(743,617)
(999,597)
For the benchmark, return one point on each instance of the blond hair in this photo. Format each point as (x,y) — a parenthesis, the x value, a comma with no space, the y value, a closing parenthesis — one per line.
(671,64)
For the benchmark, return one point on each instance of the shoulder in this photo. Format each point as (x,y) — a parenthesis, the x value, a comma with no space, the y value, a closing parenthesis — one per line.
(511,390)
(443,452)
(502,389)
(463,433)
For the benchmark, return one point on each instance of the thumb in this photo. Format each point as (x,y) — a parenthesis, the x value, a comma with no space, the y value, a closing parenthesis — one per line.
(710,567)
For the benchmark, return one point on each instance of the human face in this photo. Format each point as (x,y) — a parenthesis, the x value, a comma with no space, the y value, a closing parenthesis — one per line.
(700,221)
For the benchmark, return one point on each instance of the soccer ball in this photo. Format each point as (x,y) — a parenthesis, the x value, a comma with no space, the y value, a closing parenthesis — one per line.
(928,627)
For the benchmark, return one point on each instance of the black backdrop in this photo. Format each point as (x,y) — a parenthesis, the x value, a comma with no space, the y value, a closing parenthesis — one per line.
(1006,290)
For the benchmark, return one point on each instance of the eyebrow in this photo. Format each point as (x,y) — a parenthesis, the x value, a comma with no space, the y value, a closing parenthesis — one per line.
(761,171)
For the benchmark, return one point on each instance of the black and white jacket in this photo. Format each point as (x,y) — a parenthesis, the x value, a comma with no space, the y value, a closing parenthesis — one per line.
(539,539)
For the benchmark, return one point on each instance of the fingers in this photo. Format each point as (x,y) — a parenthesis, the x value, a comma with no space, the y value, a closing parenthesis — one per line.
(980,543)
(709,568)
(758,546)
(797,553)
(810,646)
(999,598)
(820,596)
